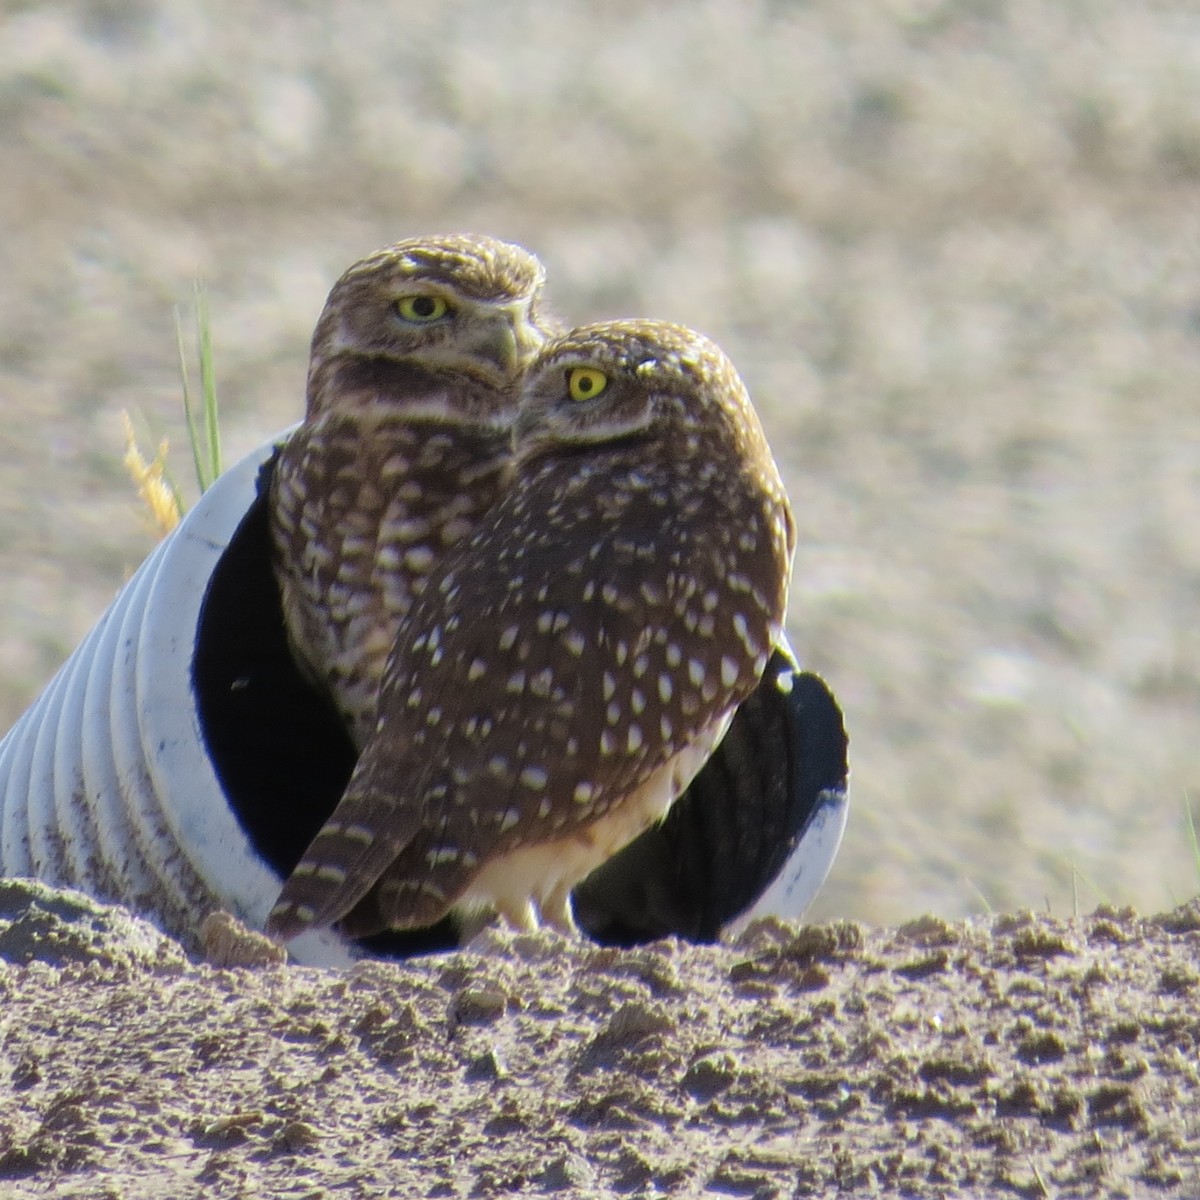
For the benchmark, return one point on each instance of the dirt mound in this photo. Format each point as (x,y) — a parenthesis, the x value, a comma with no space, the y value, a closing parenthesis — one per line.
(1019,1056)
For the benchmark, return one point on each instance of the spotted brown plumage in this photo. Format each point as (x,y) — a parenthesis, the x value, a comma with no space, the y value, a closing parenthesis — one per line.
(412,390)
(572,662)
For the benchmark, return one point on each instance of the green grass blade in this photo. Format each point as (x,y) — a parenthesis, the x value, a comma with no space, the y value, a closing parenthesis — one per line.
(189,410)
(1077,877)
(987,908)
(1189,820)
(208,385)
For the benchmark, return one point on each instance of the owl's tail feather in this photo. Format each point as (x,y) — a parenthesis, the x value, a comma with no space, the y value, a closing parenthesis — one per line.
(409,894)
(364,835)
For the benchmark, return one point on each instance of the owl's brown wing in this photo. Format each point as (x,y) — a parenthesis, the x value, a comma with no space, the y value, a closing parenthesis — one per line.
(491,716)
(554,715)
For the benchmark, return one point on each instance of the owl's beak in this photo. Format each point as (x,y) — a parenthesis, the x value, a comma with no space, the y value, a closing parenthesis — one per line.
(508,339)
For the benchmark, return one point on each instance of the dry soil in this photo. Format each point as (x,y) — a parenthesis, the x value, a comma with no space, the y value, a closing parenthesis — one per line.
(952,245)
(1017,1056)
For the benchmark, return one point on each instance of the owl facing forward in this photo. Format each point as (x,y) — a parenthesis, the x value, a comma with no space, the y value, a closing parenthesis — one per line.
(572,663)
(412,390)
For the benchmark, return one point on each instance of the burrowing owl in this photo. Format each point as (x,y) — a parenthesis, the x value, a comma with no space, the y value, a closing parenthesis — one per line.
(412,388)
(572,662)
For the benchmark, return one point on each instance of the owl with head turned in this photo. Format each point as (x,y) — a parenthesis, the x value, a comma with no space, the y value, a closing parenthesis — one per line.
(412,389)
(571,663)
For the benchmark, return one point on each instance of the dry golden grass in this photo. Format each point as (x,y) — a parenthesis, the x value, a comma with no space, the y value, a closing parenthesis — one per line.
(148,476)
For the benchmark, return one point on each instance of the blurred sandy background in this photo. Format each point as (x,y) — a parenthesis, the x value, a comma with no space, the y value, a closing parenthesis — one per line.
(952,246)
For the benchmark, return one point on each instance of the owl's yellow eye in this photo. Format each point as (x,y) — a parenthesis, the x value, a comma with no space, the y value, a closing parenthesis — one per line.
(585,382)
(422,309)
